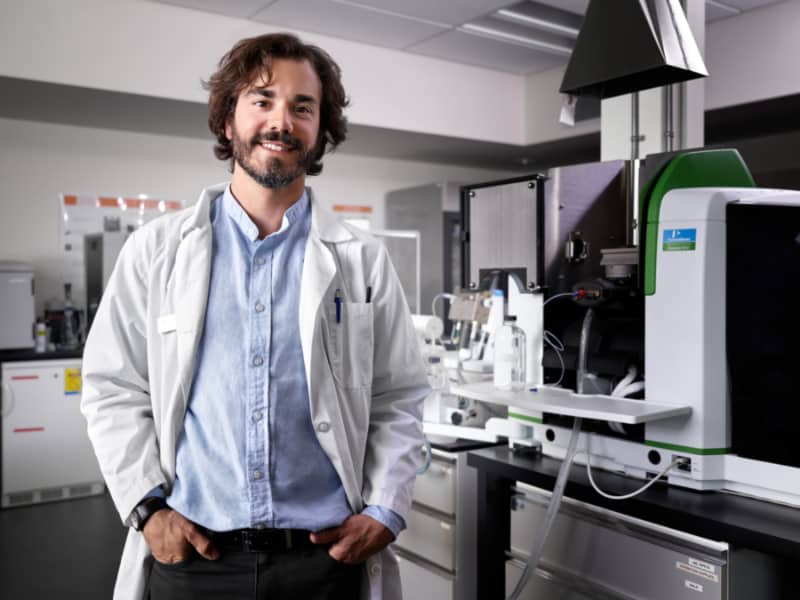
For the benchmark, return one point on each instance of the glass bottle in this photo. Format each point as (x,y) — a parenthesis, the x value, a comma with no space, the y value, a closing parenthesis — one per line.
(509,357)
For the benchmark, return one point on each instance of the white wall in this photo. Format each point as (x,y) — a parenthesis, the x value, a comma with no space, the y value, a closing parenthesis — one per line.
(39,161)
(164,51)
(753,56)
(543,107)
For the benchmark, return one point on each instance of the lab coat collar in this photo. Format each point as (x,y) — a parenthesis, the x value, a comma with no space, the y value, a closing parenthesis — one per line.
(323,222)
(201,215)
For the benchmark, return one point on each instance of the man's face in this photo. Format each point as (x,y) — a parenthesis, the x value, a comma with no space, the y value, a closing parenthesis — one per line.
(275,125)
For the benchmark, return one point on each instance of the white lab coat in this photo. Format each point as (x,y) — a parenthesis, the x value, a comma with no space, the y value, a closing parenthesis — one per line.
(366,380)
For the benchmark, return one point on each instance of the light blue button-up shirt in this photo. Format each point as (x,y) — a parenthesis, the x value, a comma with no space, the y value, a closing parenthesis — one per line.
(248,455)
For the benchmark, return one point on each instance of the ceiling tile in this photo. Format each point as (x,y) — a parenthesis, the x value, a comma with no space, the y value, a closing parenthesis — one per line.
(749,4)
(715,13)
(465,48)
(348,22)
(242,9)
(450,12)
(574,6)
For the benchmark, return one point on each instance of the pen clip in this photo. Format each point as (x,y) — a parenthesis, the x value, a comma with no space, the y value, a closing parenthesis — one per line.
(337,299)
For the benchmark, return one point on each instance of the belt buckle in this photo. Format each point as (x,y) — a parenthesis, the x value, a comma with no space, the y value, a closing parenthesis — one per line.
(247,540)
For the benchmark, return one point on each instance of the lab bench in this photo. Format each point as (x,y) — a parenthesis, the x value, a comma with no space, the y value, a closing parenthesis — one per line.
(668,542)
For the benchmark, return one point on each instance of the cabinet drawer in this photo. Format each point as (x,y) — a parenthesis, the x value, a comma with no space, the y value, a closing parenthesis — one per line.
(429,537)
(612,551)
(422,583)
(539,587)
(436,488)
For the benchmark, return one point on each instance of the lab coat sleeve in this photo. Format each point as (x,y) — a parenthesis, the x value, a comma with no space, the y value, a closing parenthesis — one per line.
(115,400)
(399,387)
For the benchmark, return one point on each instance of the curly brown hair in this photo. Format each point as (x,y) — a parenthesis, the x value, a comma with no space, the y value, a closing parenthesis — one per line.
(252,57)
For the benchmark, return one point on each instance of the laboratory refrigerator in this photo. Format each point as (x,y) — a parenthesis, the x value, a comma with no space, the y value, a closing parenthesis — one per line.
(46,454)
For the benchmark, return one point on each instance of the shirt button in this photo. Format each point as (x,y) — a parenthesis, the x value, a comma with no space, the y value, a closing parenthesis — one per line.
(375,569)
(257,414)
(323,427)
(258,361)
(259,307)
(260,260)
(257,474)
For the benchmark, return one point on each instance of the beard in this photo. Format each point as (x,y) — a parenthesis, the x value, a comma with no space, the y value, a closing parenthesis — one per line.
(276,174)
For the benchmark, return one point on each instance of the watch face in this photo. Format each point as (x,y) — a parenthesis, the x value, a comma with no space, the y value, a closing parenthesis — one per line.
(136,519)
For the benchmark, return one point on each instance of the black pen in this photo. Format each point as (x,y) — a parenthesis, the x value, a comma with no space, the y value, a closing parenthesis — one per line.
(337,299)
(369,294)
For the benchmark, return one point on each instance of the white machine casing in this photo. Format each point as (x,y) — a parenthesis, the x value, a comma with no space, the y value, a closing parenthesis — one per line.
(685,362)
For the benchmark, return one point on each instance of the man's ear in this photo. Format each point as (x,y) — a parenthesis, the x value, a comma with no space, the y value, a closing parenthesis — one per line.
(228,128)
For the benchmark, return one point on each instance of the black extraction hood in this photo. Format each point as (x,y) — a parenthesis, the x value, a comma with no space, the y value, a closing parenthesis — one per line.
(629,45)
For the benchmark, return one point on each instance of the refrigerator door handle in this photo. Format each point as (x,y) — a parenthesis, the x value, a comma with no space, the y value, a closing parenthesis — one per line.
(8,401)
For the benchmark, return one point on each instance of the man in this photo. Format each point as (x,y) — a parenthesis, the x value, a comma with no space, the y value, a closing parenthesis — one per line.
(252,383)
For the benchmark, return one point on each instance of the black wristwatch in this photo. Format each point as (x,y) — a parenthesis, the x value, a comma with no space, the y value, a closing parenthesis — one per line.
(144,510)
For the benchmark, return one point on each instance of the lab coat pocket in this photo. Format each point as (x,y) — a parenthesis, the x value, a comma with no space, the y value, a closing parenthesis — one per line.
(350,344)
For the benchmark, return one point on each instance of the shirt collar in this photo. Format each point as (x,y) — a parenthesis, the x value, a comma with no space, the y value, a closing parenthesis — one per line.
(249,229)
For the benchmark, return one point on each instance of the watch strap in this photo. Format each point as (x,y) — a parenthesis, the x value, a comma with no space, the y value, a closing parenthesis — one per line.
(144,510)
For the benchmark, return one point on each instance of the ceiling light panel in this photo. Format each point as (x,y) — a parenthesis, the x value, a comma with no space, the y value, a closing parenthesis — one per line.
(542,18)
(240,9)
(512,33)
(470,49)
(348,22)
(447,12)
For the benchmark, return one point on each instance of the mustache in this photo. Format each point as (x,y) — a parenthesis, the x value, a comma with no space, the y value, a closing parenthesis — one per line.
(278,136)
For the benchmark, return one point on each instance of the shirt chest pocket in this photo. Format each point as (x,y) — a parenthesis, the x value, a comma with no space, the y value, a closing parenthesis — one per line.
(350,343)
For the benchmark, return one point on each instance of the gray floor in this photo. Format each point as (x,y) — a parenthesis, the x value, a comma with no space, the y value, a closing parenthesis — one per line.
(67,549)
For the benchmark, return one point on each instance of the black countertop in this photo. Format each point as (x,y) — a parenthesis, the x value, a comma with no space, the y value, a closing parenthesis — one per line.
(740,521)
(461,445)
(29,354)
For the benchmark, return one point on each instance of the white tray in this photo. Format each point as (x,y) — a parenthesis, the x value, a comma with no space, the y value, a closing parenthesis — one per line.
(561,401)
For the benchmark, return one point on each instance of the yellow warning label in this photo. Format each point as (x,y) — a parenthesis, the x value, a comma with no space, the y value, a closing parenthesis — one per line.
(72,381)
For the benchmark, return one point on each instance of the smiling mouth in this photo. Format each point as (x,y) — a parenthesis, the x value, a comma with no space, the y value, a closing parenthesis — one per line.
(273,147)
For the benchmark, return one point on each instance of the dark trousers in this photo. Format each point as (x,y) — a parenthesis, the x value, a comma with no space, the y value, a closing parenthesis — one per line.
(301,574)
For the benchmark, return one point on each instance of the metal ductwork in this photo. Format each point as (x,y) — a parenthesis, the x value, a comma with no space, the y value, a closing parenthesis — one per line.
(625,46)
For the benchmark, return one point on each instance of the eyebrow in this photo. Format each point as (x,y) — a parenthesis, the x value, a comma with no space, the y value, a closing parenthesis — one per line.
(268,93)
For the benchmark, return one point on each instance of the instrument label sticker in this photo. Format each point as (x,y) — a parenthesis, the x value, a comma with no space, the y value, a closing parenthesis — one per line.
(698,572)
(680,240)
(72,381)
(693,586)
(700,564)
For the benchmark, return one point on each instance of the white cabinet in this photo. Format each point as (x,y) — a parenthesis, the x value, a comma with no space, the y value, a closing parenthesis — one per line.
(437,550)
(46,454)
(423,581)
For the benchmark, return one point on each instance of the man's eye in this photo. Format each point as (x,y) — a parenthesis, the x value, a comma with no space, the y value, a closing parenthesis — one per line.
(304,109)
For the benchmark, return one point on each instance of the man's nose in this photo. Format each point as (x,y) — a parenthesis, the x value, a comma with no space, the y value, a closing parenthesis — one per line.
(281,118)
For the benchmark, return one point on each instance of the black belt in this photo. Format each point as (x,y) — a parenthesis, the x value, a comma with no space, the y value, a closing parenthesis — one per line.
(260,540)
